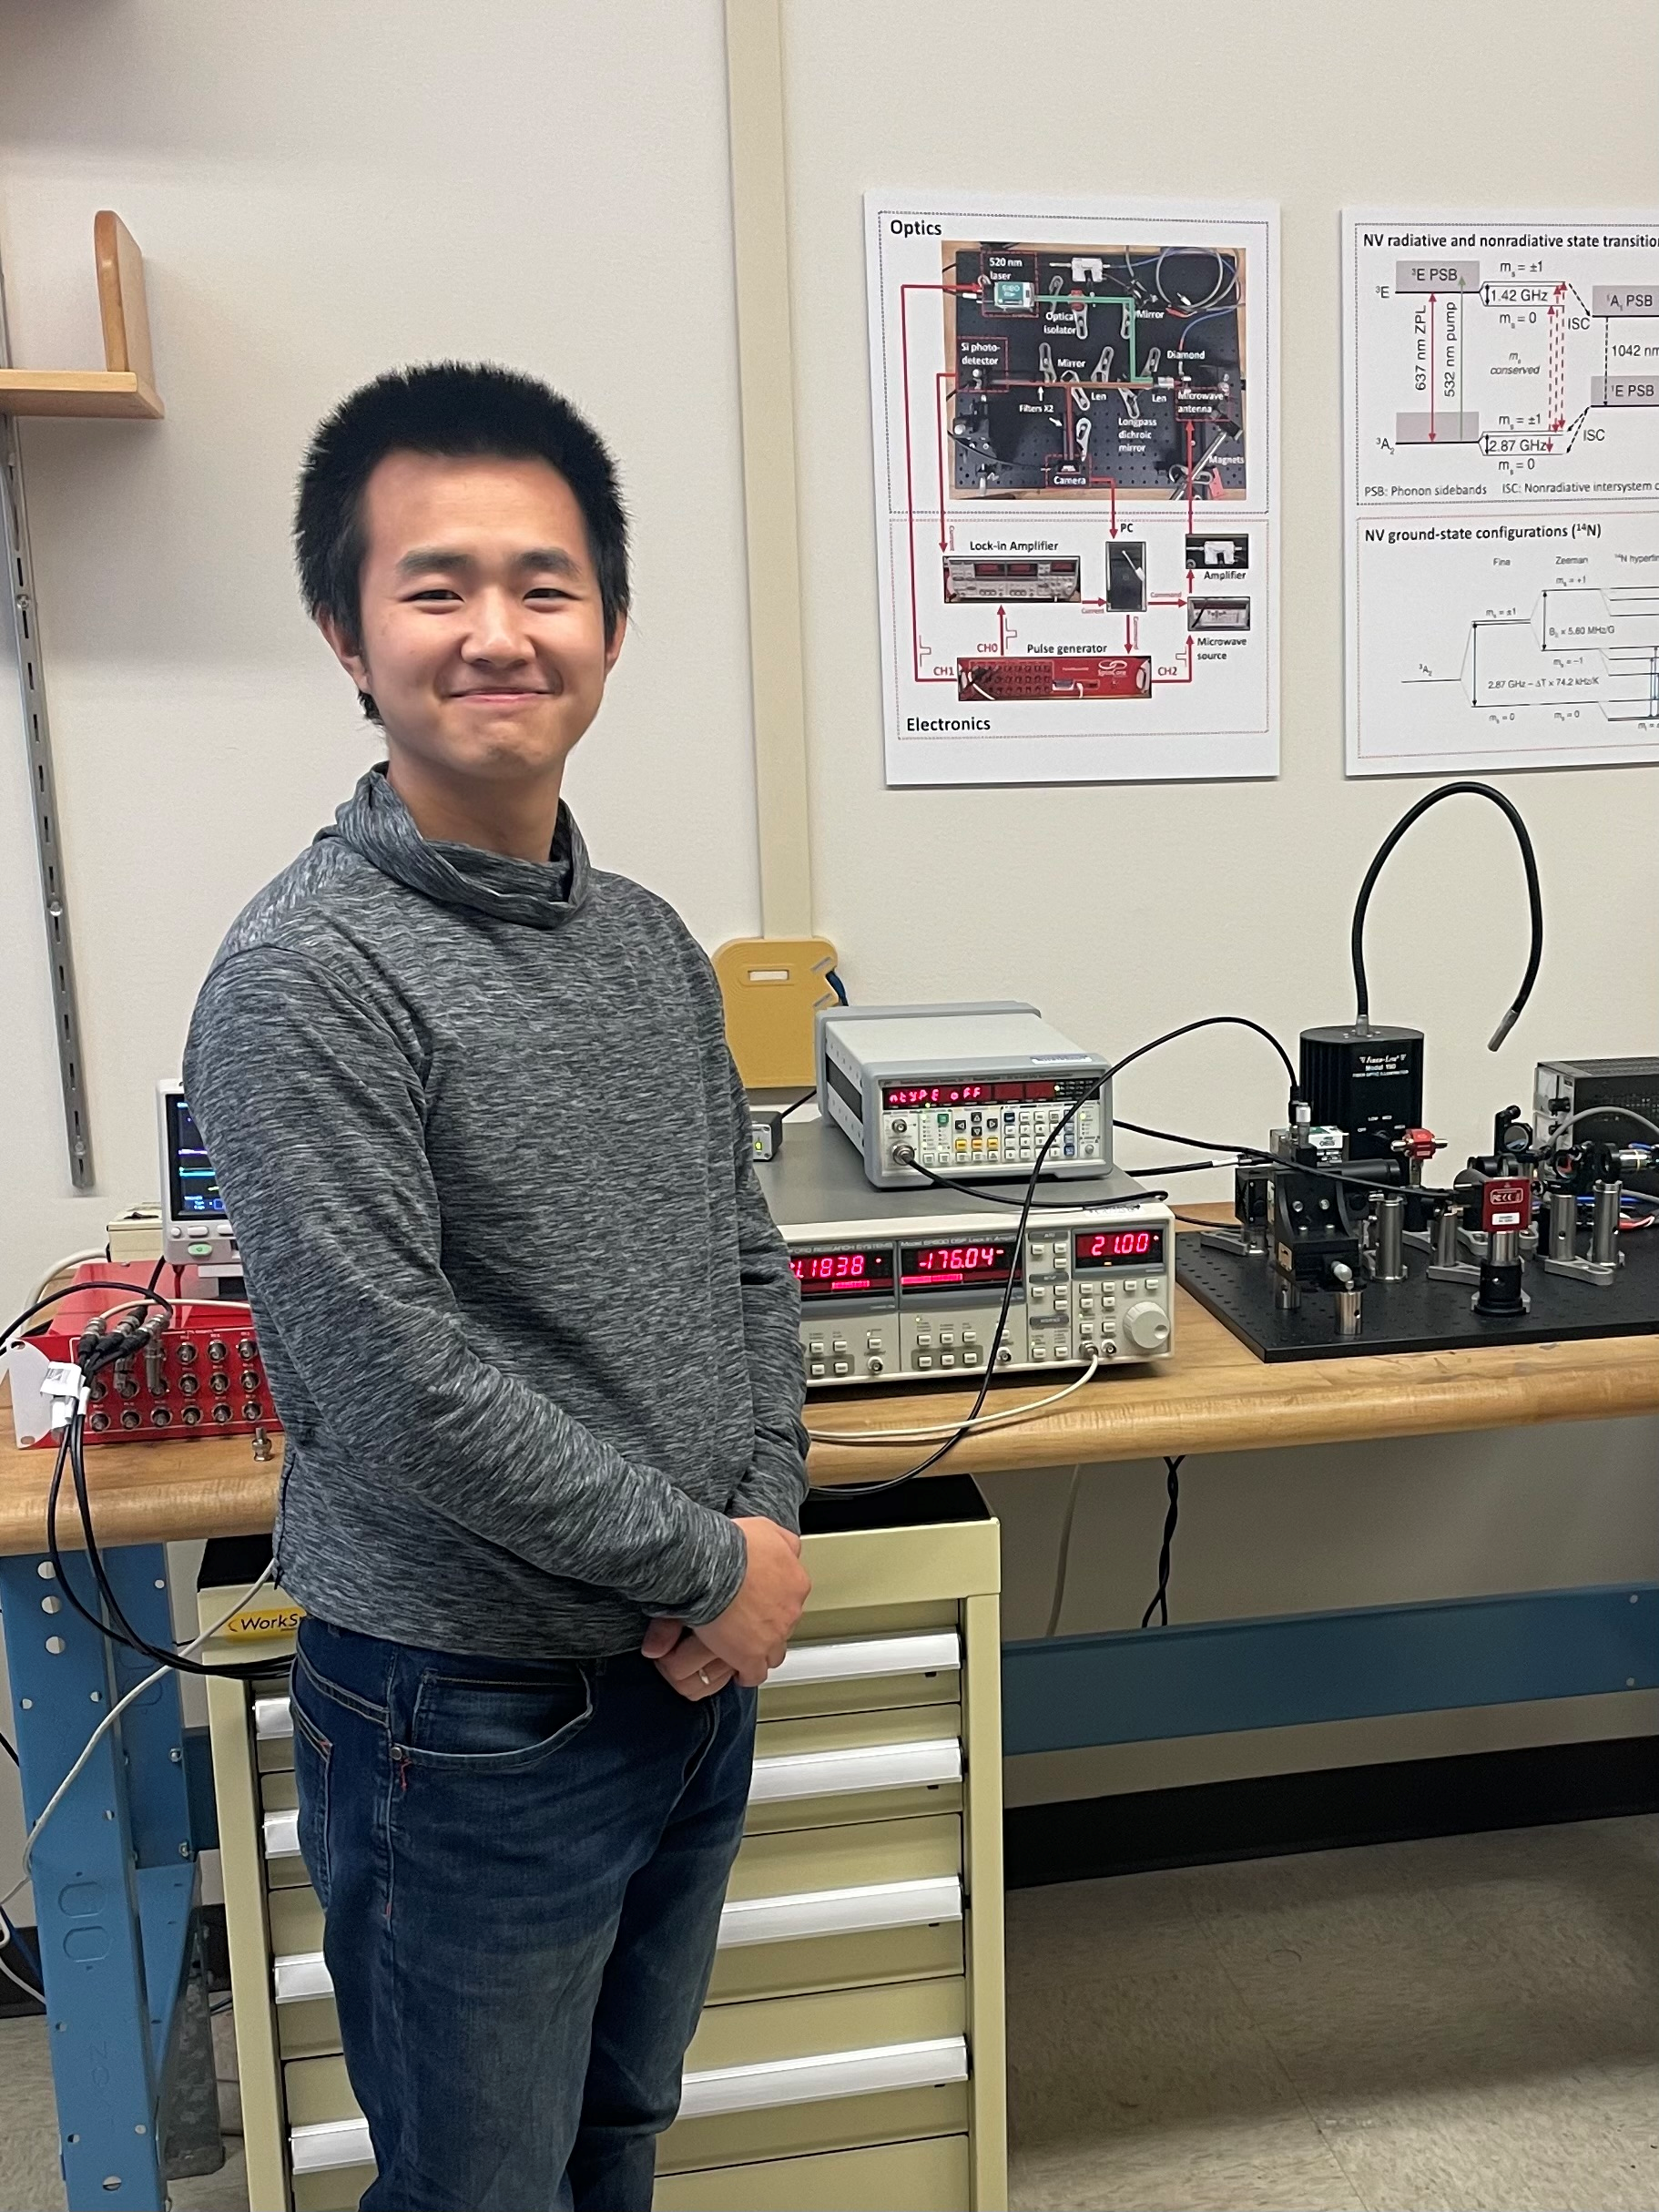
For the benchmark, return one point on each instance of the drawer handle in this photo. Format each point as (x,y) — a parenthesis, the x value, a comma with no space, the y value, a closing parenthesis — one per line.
(282,1833)
(324,2145)
(719,2089)
(806,1774)
(829,2074)
(819,1774)
(300,1976)
(876,1655)
(937,1653)
(809,1912)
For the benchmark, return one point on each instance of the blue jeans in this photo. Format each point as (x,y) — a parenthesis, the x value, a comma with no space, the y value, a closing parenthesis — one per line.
(521,1866)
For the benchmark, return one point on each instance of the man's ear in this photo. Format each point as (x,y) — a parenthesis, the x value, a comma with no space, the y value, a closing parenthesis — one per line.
(346,651)
(613,646)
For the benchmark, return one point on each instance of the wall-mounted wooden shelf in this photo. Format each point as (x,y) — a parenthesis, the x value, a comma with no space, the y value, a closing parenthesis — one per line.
(125,385)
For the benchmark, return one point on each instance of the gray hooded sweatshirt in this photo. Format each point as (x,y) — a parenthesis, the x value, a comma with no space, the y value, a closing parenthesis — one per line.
(530,1329)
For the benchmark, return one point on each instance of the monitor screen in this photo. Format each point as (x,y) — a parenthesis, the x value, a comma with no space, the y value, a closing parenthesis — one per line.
(193,1193)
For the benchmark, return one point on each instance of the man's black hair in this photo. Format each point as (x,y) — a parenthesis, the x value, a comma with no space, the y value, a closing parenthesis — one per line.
(451,408)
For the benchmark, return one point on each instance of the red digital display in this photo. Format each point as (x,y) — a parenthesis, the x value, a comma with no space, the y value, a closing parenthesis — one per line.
(965,1093)
(848,1270)
(1118,1247)
(955,1267)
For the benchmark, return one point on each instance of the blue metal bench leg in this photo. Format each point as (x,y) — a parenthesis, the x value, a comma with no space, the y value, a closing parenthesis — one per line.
(114,1870)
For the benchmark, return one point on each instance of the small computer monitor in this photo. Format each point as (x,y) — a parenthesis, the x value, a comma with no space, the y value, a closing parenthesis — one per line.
(195,1230)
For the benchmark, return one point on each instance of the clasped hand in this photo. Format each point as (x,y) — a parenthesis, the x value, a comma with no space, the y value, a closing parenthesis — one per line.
(750,1637)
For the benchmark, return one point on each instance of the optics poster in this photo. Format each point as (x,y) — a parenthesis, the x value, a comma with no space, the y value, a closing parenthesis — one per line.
(1501,469)
(1077,477)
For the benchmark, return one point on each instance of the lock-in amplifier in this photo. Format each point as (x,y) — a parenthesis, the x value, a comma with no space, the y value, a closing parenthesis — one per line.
(907,1285)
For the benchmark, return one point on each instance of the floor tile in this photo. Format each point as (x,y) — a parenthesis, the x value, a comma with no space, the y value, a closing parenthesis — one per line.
(1508,2148)
(1279,2165)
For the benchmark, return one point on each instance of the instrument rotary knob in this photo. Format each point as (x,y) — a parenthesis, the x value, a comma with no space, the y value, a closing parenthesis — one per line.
(1146,1325)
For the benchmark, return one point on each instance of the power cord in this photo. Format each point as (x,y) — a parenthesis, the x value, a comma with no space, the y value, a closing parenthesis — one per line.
(1269,1159)
(138,1689)
(123,1632)
(1160,1596)
(1063,1568)
(1619,1112)
(946,1428)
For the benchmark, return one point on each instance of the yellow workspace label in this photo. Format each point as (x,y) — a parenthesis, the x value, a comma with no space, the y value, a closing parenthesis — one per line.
(264,1621)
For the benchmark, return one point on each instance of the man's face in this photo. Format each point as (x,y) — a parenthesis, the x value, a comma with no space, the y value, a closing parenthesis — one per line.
(482,634)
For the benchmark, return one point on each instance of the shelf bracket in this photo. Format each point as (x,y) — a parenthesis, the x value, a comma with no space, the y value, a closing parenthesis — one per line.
(125,385)
(124,388)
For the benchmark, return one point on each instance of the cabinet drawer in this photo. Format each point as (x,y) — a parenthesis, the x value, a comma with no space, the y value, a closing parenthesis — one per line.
(883,1899)
(295,1920)
(307,2025)
(856,1767)
(837,1909)
(928,2176)
(280,1829)
(865,1673)
(835,1857)
(849,1674)
(899,1951)
(336,2188)
(808,1774)
(795,2075)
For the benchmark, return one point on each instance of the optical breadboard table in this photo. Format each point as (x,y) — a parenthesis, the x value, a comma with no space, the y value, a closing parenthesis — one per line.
(1419,1314)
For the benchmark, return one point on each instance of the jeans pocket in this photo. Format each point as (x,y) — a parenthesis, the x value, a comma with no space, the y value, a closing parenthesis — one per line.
(313,1755)
(508,1722)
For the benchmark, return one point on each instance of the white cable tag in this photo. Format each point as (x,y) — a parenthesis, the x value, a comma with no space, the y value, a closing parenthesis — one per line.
(64,1387)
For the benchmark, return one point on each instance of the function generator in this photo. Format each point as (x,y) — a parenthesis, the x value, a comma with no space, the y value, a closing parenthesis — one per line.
(970,1092)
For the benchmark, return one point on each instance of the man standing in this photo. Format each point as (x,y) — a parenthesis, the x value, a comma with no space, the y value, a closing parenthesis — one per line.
(531,1332)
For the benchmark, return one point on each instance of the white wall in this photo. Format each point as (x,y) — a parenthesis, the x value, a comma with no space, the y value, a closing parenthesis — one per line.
(321,190)
(1312,105)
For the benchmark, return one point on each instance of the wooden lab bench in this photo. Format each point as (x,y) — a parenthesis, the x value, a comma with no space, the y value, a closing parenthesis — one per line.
(933,2140)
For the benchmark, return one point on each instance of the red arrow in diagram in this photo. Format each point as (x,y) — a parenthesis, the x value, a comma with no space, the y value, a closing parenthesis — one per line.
(1433,370)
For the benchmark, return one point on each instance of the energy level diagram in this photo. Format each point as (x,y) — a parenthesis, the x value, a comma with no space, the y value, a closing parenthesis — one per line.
(1074,453)
(1502,491)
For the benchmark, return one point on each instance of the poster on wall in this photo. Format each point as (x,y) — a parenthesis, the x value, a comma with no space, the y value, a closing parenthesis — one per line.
(1501,430)
(1076,461)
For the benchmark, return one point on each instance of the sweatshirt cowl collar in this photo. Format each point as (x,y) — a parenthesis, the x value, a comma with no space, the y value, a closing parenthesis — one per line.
(375,823)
